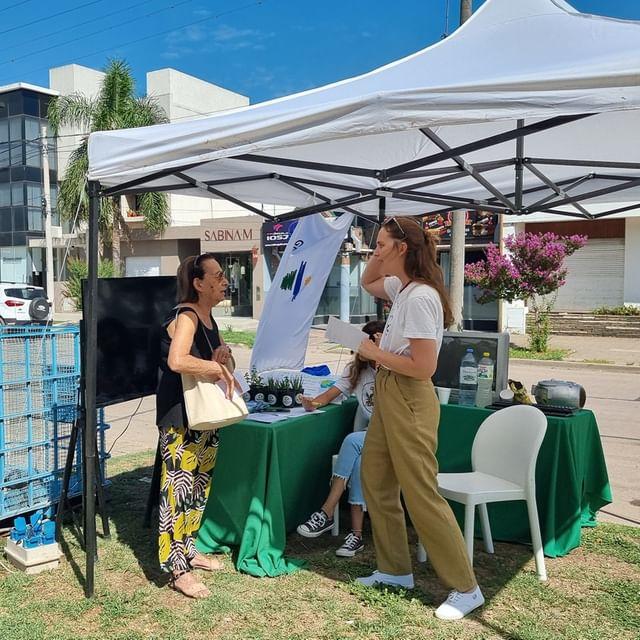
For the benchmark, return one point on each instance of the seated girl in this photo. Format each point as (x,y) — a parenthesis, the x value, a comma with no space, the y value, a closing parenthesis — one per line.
(358,378)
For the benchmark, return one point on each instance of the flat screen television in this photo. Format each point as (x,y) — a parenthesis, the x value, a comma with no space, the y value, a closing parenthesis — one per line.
(454,347)
(130,312)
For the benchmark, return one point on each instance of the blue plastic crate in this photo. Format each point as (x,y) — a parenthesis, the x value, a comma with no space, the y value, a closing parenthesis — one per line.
(39,378)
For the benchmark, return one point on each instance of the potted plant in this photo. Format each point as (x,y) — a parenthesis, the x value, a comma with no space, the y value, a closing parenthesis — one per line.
(272,392)
(257,387)
(298,389)
(286,395)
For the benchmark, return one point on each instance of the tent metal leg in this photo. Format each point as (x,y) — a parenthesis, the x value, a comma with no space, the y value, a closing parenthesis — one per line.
(382,208)
(90,375)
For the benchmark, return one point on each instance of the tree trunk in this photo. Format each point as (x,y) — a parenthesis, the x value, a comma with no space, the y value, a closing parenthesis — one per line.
(115,241)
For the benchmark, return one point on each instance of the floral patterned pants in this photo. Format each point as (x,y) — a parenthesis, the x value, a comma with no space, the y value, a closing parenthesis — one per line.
(188,458)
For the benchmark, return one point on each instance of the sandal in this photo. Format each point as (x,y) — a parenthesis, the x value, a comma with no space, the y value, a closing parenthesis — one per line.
(206,563)
(186,584)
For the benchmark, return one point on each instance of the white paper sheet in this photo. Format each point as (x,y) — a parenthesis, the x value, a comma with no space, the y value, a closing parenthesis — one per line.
(345,334)
(269,417)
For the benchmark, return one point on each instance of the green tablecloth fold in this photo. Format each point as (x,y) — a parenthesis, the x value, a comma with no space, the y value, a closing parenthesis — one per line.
(268,479)
(571,477)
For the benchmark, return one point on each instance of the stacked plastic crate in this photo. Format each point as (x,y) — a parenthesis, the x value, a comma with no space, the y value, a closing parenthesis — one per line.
(39,379)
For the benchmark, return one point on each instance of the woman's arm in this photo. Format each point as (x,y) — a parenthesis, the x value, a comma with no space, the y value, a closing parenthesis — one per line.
(373,279)
(310,404)
(180,359)
(420,364)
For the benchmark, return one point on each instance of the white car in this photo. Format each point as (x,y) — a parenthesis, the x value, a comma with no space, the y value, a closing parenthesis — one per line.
(23,304)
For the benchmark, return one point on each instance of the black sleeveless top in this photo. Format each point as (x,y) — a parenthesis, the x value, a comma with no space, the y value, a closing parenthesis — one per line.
(170,410)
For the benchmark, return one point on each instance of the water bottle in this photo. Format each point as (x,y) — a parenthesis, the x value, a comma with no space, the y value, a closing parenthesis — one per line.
(468,379)
(484,394)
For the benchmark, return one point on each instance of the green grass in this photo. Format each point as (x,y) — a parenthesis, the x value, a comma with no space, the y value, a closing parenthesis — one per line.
(523,353)
(592,594)
(231,336)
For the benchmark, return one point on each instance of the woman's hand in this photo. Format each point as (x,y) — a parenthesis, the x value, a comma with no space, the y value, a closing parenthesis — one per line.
(221,354)
(220,373)
(309,404)
(369,350)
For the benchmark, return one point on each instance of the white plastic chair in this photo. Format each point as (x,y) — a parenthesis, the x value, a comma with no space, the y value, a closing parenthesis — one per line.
(503,459)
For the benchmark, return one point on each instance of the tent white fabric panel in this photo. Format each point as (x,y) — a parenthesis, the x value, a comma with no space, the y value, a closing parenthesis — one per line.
(527,61)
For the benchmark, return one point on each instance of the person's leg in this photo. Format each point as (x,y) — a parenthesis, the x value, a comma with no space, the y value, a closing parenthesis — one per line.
(343,472)
(412,444)
(203,446)
(381,488)
(357,519)
(175,489)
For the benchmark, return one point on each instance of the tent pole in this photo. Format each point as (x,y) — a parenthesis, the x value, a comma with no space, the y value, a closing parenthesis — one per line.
(91,335)
(382,207)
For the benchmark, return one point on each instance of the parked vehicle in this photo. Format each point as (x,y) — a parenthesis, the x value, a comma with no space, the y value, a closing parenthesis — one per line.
(24,304)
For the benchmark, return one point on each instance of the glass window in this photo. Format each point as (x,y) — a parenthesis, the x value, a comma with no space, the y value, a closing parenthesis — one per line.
(34,195)
(5,219)
(5,195)
(31,129)
(19,219)
(24,293)
(4,131)
(31,104)
(4,154)
(16,153)
(34,155)
(54,197)
(34,219)
(17,193)
(15,129)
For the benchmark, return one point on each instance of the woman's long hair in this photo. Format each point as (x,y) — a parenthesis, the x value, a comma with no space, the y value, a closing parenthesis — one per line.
(359,364)
(421,262)
(189,269)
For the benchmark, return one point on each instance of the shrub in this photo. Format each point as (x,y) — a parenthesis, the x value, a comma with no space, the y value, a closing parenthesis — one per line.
(77,271)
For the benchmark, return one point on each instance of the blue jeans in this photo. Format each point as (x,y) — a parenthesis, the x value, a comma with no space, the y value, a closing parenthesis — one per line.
(348,465)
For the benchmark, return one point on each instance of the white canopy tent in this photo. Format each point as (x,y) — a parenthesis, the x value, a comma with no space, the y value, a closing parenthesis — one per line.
(528,107)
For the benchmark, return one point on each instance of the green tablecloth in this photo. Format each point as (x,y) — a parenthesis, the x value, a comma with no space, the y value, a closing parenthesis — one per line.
(571,477)
(268,478)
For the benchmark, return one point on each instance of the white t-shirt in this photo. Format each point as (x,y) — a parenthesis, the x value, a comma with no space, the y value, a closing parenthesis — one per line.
(416,313)
(363,392)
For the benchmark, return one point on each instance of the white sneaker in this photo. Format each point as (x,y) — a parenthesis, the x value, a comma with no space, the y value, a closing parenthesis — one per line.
(377,577)
(457,605)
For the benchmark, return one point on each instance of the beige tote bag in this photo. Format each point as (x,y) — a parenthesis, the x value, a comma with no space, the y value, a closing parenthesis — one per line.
(206,402)
(208,406)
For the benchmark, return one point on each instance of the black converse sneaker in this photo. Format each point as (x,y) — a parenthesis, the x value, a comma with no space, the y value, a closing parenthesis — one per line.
(317,524)
(352,544)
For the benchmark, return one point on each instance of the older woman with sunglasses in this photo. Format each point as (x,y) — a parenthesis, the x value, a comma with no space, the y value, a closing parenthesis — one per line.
(399,453)
(190,343)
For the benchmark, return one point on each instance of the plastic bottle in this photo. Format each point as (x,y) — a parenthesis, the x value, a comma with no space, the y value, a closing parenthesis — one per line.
(468,379)
(484,394)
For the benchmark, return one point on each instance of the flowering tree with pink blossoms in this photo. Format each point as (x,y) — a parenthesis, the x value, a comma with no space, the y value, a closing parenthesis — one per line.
(532,270)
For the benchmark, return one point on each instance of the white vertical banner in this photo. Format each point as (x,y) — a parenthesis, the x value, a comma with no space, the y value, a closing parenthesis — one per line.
(293,298)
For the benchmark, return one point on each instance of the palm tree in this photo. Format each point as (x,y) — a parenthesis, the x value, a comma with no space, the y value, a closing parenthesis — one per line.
(115,107)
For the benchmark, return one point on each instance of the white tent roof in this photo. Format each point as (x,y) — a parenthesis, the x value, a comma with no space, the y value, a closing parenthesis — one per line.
(386,136)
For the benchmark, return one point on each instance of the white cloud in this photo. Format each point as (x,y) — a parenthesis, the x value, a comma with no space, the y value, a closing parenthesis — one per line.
(221,37)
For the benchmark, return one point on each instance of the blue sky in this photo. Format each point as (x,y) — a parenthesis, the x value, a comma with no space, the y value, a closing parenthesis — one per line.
(260,48)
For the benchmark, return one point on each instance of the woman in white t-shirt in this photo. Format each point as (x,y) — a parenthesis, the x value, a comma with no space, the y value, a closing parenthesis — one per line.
(399,454)
(358,378)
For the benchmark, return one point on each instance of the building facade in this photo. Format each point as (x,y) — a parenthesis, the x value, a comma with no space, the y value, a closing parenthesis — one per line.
(23,112)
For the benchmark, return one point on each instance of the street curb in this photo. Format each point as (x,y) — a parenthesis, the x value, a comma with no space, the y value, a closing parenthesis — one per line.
(570,364)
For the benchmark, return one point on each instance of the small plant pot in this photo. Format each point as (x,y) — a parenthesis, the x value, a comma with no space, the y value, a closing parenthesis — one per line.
(259,394)
(287,398)
(298,398)
(271,397)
